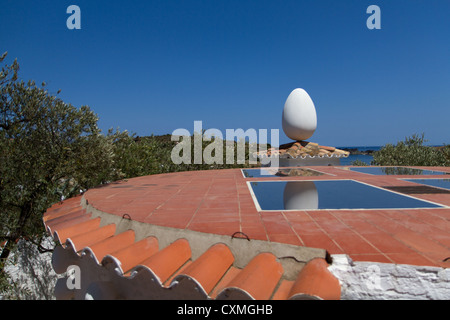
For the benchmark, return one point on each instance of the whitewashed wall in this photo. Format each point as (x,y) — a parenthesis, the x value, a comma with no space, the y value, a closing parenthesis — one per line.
(380,281)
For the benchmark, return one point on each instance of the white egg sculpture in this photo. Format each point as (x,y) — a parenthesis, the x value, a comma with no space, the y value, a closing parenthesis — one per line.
(299,119)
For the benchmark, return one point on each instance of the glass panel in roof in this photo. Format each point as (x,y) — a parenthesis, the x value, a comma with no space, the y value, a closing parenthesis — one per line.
(280,172)
(329,194)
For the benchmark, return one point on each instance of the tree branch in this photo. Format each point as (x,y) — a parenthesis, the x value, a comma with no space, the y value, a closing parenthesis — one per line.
(39,246)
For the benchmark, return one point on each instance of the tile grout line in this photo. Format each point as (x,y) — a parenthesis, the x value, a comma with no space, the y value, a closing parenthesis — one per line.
(399,240)
(415,231)
(163,203)
(199,205)
(259,213)
(428,223)
(292,228)
(323,230)
(361,236)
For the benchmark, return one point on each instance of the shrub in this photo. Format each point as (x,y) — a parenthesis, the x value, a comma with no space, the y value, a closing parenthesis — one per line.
(412,152)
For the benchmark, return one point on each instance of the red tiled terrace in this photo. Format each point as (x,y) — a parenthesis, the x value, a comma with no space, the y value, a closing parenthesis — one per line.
(219,201)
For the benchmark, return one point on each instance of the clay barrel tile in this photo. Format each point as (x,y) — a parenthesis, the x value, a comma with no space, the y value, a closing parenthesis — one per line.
(315,281)
(112,244)
(164,263)
(209,268)
(134,254)
(63,234)
(89,238)
(259,277)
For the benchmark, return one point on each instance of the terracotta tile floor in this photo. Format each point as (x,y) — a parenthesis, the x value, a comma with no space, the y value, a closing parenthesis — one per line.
(219,201)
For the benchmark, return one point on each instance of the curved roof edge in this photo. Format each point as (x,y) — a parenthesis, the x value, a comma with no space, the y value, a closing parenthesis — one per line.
(122,264)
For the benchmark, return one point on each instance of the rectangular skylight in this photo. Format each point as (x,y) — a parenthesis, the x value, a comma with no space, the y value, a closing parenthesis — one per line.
(329,194)
(265,172)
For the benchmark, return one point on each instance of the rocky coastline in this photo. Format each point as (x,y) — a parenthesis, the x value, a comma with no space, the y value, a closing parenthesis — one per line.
(356,151)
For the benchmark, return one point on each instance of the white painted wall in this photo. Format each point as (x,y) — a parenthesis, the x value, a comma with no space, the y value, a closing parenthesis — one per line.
(381,281)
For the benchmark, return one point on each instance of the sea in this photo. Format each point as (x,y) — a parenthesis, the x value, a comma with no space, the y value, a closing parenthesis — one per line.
(366,158)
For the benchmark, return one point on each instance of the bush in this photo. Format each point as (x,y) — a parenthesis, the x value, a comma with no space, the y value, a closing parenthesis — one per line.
(358,163)
(412,152)
(140,156)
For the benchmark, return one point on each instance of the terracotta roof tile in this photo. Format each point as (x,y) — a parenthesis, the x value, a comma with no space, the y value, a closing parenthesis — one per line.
(135,254)
(63,208)
(248,283)
(210,267)
(164,263)
(89,238)
(212,275)
(53,214)
(60,224)
(315,281)
(224,282)
(112,244)
(69,216)
(62,234)
(282,293)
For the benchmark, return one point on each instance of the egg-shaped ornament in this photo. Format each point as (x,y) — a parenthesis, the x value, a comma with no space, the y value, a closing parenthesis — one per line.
(299,118)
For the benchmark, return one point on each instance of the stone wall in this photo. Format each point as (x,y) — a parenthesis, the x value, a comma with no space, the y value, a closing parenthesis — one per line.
(381,281)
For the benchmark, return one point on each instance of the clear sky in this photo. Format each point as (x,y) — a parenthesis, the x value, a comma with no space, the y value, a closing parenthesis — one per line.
(151,67)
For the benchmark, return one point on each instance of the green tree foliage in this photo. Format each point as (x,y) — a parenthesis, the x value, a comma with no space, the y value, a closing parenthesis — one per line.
(358,163)
(49,150)
(139,156)
(412,152)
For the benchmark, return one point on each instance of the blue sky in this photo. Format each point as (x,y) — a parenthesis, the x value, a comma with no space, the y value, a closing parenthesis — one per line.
(151,67)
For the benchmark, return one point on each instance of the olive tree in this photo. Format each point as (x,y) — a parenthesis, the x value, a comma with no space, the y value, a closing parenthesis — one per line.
(49,150)
(412,152)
